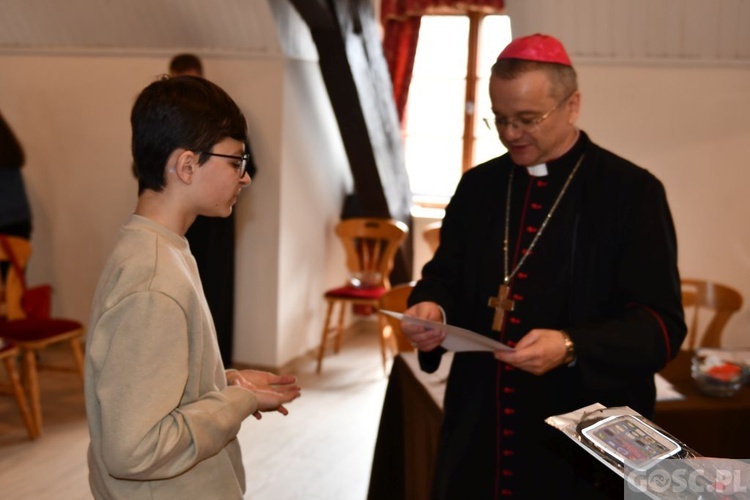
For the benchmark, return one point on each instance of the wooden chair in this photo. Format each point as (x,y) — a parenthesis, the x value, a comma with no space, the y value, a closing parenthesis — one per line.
(33,335)
(431,234)
(704,297)
(370,246)
(390,328)
(9,353)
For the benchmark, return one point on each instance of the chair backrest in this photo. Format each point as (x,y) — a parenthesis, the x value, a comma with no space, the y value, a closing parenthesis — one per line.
(701,298)
(395,300)
(371,245)
(11,282)
(431,234)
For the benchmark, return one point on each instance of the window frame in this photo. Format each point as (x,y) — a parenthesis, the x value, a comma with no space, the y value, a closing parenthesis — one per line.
(475,18)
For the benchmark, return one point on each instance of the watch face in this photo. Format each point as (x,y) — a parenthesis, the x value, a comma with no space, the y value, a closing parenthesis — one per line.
(569,349)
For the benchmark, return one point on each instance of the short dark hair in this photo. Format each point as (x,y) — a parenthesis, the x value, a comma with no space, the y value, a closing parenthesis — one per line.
(186,112)
(182,63)
(564,79)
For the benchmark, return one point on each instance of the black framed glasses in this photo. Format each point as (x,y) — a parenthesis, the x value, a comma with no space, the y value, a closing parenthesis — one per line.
(242,161)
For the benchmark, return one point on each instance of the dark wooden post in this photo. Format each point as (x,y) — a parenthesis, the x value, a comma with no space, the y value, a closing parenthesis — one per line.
(356,76)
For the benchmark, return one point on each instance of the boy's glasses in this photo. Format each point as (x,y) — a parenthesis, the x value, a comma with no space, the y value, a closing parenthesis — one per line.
(241,166)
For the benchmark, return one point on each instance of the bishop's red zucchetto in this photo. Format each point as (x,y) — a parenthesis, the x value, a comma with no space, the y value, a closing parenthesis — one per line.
(537,47)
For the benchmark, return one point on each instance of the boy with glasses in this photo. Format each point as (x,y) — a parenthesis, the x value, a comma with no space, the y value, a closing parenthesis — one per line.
(163,412)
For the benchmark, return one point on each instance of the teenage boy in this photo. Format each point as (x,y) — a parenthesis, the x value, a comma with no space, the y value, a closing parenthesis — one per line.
(163,413)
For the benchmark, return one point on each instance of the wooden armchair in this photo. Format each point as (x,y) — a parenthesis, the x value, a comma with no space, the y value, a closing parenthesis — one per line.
(371,245)
(700,298)
(33,335)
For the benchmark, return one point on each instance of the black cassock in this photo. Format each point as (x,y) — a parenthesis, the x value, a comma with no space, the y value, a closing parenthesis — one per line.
(212,244)
(604,270)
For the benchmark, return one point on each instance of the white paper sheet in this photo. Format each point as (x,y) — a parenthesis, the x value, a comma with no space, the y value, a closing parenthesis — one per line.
(457,339)
(665,391)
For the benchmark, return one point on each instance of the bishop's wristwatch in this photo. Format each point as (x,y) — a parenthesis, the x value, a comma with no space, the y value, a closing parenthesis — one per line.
(570,350)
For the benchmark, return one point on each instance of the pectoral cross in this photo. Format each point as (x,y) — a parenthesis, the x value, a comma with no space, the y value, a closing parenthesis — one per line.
(501,303)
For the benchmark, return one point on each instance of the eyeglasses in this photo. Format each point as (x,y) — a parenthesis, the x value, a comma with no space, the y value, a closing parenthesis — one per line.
(241,166)
(523,124)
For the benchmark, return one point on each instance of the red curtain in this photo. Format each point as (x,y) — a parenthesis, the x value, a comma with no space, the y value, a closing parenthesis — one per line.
(401,19)
(400,45)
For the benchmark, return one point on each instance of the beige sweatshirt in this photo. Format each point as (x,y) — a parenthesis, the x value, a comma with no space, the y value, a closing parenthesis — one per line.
(162,421)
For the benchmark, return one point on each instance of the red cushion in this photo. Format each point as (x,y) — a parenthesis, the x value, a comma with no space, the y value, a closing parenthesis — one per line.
(36,329)
(351,292)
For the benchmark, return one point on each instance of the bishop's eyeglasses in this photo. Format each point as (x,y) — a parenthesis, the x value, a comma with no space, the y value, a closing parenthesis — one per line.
(240,165)
(523,123)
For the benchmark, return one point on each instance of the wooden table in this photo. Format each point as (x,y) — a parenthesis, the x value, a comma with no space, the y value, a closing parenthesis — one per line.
(714,427)
(407,441)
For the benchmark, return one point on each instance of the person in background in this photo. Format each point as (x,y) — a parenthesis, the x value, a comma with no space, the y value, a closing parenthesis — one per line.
(163,413)
(212,241)
(15,212)
(565,252)
(186,64)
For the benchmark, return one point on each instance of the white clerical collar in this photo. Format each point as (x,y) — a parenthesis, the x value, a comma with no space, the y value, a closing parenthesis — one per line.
(537,170)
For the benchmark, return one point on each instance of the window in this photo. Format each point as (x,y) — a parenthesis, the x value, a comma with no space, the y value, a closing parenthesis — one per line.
(443,130)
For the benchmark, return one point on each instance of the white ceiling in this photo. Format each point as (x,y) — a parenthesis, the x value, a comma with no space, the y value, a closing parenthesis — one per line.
(240,27)
(657,31)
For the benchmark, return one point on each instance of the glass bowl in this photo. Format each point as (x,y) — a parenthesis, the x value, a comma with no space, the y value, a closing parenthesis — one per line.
(366,280)
(715,375)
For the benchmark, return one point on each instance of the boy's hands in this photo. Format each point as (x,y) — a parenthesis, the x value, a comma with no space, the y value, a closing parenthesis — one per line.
(271,391)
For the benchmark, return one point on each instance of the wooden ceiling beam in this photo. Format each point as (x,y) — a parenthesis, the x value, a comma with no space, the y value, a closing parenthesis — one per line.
(356,76)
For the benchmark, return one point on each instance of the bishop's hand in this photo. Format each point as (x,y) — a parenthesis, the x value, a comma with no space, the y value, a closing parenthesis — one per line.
(420,337)
(538,352)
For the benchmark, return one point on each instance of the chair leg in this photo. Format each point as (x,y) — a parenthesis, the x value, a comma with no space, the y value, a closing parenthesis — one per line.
(18,393)
(32,385)
(75,346)
(383,323)
(340,327)
(324,336)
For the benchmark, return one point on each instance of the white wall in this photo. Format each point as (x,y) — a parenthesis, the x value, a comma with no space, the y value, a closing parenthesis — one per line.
(688,126)
(72,115)
(315,176)
(284,221)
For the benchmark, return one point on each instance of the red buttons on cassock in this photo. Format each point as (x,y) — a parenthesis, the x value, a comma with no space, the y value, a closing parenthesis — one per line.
(522,276)
(509,411)
(515,321)
(531,229)
(508,390)
(507,473)
(541,184)
(536,206)
(508,432)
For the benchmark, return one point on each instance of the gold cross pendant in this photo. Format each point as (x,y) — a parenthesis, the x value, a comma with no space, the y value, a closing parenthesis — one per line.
(501,303)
